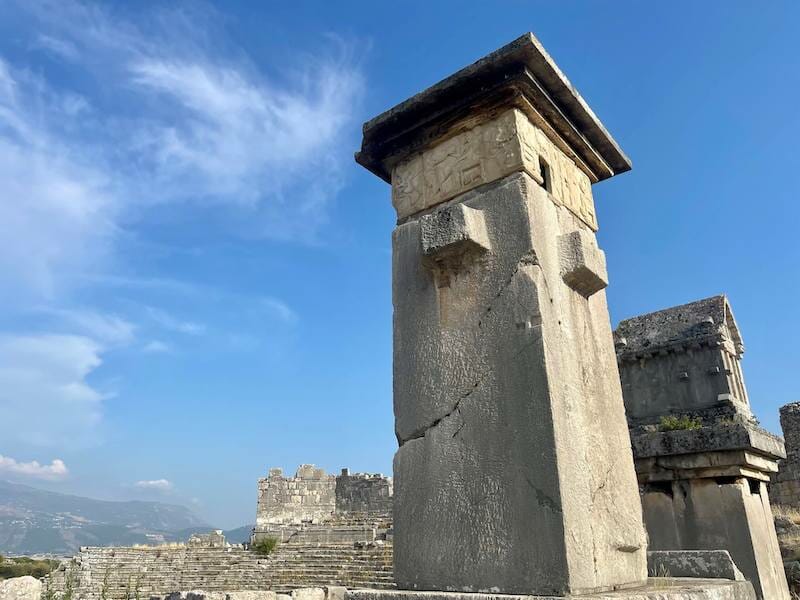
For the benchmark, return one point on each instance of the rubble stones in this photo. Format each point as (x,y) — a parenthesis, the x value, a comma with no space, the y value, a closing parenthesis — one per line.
(21,588)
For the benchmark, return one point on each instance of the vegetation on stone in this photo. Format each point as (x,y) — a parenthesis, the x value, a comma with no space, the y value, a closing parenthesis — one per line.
(673,423)
(266,545)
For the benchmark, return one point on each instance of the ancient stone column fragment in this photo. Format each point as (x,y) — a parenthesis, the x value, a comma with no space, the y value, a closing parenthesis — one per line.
(514,472)
(785,486)
(702,461)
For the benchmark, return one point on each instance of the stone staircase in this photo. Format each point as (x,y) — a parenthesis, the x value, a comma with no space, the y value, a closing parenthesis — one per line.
(345,529)
(293,566)
(140,572)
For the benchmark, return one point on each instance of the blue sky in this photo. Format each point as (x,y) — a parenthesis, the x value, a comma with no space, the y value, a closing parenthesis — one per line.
(195,276)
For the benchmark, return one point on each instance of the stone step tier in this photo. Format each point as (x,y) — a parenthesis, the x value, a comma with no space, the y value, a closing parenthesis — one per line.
(131,572)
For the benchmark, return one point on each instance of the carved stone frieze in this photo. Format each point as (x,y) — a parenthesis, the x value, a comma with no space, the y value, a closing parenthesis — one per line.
(485,153)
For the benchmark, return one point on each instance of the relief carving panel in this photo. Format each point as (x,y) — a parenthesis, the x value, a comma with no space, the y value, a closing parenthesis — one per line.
(486,153)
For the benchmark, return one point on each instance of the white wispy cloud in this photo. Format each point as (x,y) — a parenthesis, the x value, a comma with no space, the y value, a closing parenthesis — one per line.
(206,128)
(279,308)
(108,329)
(54,471)
(156,347)
(59,47)
(171,323)
(59,212)
(162,118)
(45,396)
(158,485)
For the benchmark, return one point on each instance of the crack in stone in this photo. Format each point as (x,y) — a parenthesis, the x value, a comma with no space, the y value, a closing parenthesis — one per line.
(528,258)
(422,431)
(543,499)
(604,481)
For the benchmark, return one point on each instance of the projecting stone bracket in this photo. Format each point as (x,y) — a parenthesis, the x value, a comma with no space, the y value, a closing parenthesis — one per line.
(583,264)
(452,236)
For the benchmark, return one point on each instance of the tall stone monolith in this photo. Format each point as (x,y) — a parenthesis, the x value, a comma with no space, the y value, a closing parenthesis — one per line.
(514,472)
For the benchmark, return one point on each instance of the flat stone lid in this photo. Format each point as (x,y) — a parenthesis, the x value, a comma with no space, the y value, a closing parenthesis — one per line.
(708,439)
(520,69)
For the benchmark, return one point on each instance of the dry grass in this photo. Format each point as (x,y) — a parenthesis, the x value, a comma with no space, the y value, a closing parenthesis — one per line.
(787,512)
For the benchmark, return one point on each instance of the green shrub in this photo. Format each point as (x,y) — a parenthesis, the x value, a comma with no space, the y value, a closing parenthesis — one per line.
(673,423)
(265,545)
(18,567)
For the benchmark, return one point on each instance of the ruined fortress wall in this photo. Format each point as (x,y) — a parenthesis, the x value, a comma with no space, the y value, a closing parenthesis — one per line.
(785,487)
(308,496)
(314,496)
(363,493)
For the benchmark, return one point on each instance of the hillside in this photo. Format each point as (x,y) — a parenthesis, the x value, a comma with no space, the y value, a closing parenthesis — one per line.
(38,521)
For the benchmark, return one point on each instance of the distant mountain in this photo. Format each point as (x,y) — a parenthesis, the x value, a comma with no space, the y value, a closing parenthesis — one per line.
(37,521)
(239,535)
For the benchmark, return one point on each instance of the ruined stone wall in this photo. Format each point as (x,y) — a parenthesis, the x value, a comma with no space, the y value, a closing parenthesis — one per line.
(363,493)
(312,496)
(785,487)
(308,496)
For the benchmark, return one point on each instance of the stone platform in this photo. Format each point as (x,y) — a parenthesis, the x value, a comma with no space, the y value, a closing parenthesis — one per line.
(657,588)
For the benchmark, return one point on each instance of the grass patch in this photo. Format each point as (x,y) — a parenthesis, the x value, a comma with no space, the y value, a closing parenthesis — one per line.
(674,423)
(787,512)
(265,546)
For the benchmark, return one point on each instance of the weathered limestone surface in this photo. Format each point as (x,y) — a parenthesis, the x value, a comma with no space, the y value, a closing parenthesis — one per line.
(21,588)
(514,471)
(122,573)
(657,589)
(683,360)
(703,488)
(326,593)
(705,564)
(736,516)
(785,487)
(363,493)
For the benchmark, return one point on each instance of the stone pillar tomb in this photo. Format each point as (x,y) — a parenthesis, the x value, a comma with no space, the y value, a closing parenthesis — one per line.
(514,472)
(702,461)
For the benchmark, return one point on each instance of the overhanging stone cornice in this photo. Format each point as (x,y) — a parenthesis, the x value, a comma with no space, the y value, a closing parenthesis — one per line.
(708,439)
(522,75)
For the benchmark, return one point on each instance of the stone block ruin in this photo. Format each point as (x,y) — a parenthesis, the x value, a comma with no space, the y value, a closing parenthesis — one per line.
(514,473)
(314,505)
(331,530)
(785,486)
(701,460)
(518,473)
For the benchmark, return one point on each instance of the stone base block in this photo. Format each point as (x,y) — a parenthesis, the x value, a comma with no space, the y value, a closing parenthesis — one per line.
(657,588)
(711,514)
